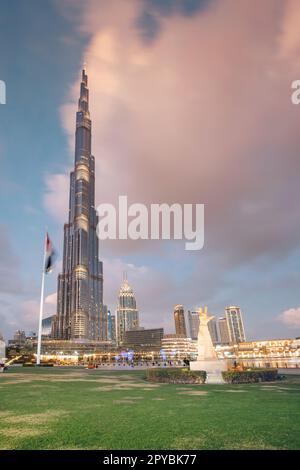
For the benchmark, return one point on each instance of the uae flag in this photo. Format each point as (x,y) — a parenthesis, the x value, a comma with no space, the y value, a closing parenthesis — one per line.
(49,256)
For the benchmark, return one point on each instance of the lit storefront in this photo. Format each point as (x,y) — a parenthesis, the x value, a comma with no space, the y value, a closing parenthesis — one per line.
(280,353)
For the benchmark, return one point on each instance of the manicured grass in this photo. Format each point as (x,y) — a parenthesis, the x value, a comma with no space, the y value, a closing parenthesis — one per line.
(68,408)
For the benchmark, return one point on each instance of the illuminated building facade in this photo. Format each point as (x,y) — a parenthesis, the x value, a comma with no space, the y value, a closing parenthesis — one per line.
(178,347)
(179,319)
(80,313)
(279,353)
(127,315)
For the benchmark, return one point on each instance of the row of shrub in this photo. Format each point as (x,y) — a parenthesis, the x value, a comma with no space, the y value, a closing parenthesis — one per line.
(250,376)
(176,375)
(33,364)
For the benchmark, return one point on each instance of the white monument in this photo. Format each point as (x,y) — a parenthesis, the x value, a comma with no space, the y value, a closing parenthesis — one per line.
(207,357)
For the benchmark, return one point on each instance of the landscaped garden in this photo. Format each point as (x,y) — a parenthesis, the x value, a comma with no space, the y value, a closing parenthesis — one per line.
(73,408)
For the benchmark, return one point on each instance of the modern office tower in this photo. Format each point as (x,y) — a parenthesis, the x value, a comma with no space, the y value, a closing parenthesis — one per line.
(104,332)
(235,325)
(212,327)
(179,319)
(224,337)
(111,326)
(127,313)
(141,339)
(47,326)
(193,322)
(80,285)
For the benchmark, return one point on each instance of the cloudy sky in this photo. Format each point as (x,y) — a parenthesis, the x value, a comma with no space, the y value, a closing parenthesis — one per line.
(191,103)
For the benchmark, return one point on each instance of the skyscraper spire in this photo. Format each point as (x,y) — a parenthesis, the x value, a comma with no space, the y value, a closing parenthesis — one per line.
(80,286)
(83,102)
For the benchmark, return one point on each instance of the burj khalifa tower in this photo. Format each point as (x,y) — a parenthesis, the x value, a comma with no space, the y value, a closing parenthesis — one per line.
(80,285)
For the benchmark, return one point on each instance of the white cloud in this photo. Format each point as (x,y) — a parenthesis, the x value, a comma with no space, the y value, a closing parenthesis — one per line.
(56,196)
(291,317)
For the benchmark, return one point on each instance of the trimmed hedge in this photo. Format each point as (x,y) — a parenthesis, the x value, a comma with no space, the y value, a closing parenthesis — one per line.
(250,376)
(33,364)
(176,375)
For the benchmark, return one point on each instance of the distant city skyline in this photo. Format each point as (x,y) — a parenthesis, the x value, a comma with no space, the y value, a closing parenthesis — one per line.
(171,123)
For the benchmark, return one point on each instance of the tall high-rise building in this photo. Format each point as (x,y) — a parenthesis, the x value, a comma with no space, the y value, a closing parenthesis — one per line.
(47,326)
(127,315)
(223,331)
(179,319)
(193,322)
(212,327)
(80,285)
(111,326)
(235,324)
(104,334)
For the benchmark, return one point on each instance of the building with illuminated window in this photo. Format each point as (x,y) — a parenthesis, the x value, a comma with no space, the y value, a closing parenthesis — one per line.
(127,314)
(279,353)
(80,314)
(178,347)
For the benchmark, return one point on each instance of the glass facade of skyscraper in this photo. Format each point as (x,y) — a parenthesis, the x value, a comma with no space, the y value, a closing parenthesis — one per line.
(80,312)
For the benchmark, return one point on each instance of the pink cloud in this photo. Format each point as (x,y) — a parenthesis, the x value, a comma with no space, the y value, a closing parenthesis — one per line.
(291,317)
(195,117)
(202,114)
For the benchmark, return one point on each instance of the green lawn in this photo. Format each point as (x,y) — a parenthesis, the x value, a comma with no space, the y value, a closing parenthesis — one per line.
(68,408)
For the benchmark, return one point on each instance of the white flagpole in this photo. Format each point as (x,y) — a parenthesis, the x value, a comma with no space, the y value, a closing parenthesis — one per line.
(38,355)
